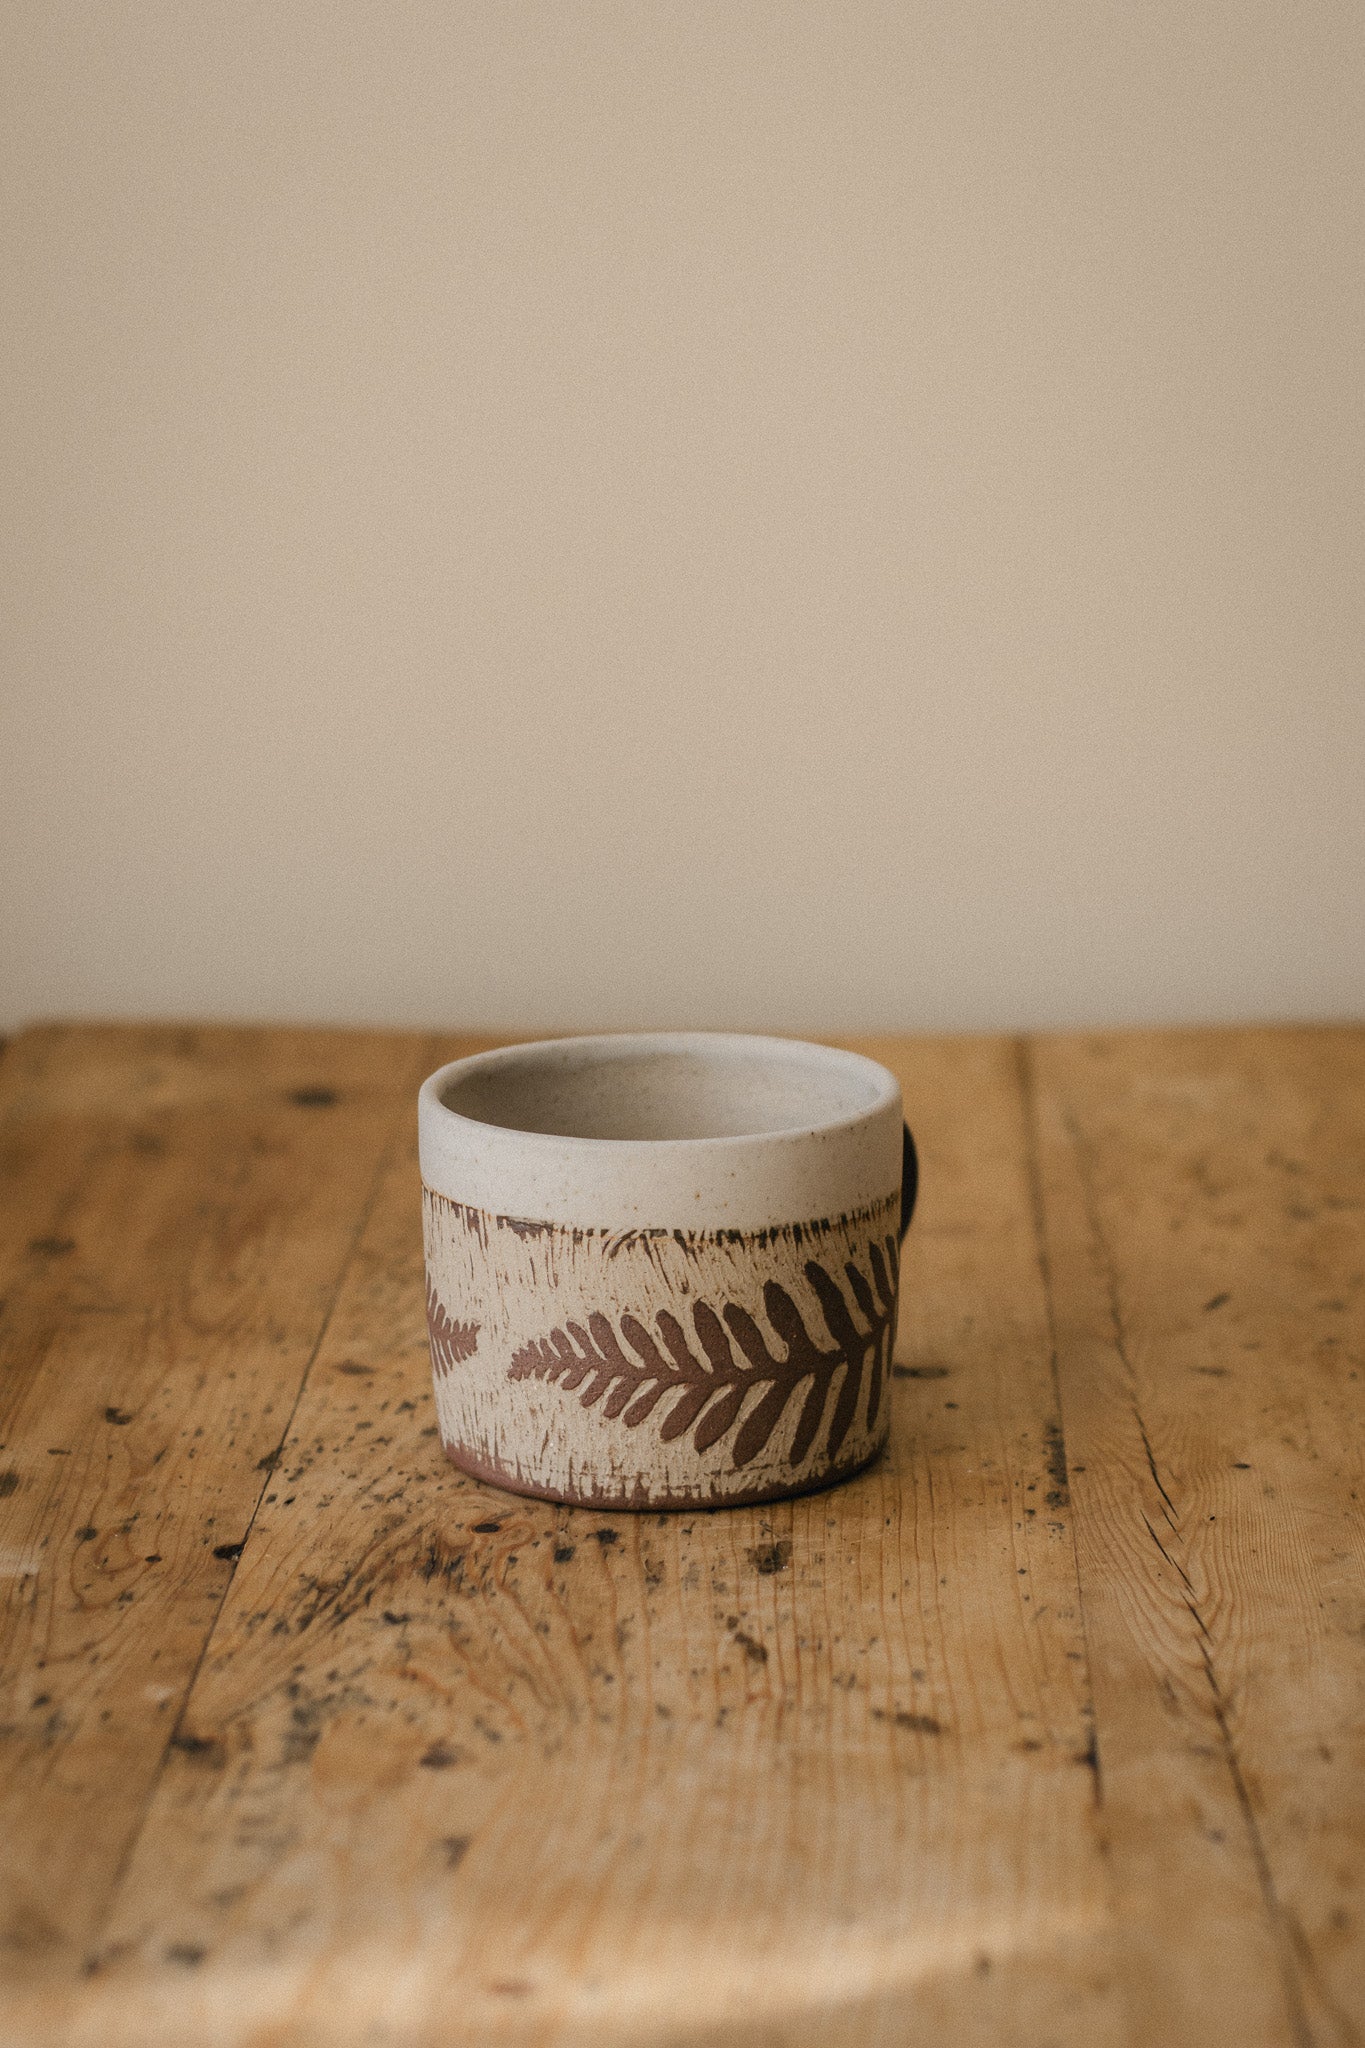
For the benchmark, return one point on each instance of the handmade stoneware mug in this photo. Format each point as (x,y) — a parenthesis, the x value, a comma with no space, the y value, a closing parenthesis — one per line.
(662,1267)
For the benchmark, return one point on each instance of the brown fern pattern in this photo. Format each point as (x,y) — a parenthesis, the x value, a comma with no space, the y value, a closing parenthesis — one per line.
(451,1342)
(731,1357)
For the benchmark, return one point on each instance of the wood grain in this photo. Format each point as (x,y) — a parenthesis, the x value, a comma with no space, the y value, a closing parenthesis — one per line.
(180,1206)
(1205,1204)
(964,1751)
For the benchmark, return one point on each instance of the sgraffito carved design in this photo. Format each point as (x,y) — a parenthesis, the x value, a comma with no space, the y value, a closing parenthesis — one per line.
(732,1357)
(451,1342)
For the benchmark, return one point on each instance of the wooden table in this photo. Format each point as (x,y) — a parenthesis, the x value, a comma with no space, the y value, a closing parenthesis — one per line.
(1049,1729)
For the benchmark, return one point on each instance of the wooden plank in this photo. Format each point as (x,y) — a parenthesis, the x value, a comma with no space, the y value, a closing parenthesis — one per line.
(464,1768)
(179,1206)
(1205,1197)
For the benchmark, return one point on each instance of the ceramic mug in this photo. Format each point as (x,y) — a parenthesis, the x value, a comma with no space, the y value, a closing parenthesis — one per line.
(662,1267)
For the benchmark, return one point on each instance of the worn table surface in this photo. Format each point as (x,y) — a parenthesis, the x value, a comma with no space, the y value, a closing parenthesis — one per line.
(1049,1729)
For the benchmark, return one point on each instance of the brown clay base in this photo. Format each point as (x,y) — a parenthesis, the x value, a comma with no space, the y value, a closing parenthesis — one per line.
(658,1503)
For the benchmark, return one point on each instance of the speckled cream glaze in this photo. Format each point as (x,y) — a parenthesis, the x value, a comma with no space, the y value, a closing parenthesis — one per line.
(655,1368)
(691,1346)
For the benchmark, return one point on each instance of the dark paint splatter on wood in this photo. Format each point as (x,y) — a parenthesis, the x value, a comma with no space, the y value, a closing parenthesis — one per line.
(1059,1493)
(203,1749)
(756,1652)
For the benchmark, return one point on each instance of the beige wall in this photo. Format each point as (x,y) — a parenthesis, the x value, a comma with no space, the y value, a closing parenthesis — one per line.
(763,514)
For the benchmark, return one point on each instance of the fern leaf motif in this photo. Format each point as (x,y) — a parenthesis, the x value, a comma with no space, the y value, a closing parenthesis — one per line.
(451,1342)
(727,1357)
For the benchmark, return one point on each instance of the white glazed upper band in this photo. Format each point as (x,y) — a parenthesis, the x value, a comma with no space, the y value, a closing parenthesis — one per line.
(757,1181)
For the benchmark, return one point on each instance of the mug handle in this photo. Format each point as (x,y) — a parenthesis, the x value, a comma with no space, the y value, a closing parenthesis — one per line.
(909,1178)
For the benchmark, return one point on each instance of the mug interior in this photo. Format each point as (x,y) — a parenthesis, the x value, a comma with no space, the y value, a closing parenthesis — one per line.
(668,1089)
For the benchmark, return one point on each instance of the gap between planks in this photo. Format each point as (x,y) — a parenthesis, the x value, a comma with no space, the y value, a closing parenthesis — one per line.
(1199,1651)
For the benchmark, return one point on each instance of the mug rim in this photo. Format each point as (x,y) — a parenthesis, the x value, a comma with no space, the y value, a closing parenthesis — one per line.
(431,1102)
(751,1180)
